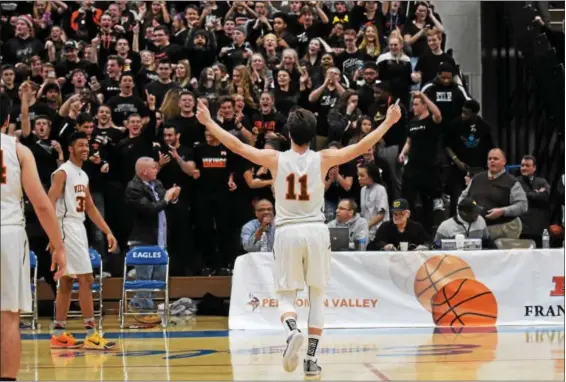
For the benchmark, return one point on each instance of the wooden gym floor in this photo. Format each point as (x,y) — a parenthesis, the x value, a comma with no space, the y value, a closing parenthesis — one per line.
(203,349)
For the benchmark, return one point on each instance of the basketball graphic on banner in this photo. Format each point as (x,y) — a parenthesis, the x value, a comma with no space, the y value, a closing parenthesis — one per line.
(435,273)
(402,268)
(464,303)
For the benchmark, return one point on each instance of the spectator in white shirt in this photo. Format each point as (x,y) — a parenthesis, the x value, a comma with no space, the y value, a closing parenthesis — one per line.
(374,201)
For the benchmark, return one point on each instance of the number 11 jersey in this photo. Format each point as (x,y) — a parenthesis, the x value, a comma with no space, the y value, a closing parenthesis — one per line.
(71,205)
(299,189)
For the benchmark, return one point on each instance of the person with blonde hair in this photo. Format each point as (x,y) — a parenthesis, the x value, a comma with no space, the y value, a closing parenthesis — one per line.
(242,84)
(370,44)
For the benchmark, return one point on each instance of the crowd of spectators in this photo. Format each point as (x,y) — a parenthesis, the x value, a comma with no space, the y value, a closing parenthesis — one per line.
(129,73)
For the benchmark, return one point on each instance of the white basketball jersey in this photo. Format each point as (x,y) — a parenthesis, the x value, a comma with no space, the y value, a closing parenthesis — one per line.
(11,179)
(72,204)
(299,190)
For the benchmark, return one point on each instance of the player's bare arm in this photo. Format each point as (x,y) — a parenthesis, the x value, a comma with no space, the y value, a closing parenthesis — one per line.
(97,219)
(331,158)
(43,208)
(266,158)
(57,186)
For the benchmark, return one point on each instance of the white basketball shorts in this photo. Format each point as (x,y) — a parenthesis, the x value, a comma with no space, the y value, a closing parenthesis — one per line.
(301,255)
(76,247)
(15,271)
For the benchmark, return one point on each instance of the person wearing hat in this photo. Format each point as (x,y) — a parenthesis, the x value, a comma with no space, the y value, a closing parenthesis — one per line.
(365,86)
(64,69)
(467,222)
(400,229)
(237,53)
(24,45)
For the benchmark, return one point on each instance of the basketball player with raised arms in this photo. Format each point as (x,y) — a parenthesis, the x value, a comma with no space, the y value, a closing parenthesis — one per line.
(18,170)
(71,195)
(302,241)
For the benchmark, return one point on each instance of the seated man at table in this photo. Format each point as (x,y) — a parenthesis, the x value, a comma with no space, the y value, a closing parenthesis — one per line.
(253,230)
(400,229)
(467,222)
(347,217)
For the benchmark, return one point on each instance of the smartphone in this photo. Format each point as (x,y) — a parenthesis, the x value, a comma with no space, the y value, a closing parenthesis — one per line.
(397,102)
(51,74)
(211,19)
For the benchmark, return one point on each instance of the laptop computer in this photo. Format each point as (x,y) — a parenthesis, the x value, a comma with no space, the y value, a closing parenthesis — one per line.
(339,239)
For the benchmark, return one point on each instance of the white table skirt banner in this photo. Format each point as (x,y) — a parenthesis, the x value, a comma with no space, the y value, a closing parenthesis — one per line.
(420,289)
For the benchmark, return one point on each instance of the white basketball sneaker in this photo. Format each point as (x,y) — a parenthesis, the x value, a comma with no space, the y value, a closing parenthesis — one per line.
(290,355)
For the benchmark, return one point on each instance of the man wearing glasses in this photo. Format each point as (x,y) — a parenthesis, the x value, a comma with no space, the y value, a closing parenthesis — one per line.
(253,230)
(400,229)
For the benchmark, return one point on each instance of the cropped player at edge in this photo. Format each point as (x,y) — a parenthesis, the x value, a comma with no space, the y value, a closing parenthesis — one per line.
(19,170)
(302,241)
(70,193)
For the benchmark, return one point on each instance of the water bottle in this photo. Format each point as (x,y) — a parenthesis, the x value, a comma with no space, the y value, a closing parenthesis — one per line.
(362,244)
(545,239)
(263,243)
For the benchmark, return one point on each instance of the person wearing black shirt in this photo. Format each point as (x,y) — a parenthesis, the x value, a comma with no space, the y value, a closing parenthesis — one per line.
(446,94)
(164,50)
(65,68)
(9,82)
(48,153)
(365,90)
(228,119)
(237,53)
(422,173)
(338,184)
(160,87)
(126,102)
(394,18)
(110,86)
(137,143)
(394,139)
(192,132)
(467,140)
(201,48)
(399,229)
(36,108)
(176,168)
(215,182)
(323,99)
(96,167)
(310,28)
(369,13)
(430,61)
(351,59)
(267,124)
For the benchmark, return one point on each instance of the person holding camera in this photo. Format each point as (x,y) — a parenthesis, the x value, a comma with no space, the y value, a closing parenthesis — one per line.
(500,196)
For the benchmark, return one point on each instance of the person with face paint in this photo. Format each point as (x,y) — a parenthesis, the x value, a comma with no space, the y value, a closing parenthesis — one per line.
(467,222)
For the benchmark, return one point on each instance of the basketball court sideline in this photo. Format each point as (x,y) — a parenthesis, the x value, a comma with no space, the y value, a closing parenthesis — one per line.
(203,349)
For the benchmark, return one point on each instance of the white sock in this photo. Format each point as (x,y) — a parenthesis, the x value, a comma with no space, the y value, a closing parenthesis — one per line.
(312,347)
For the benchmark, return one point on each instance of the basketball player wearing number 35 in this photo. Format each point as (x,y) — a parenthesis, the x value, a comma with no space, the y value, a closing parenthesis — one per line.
(19,170)
(70,193)
(302,241)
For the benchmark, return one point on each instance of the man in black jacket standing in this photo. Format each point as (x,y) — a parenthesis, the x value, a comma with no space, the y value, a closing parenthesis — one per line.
(149,200)
(537,217)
